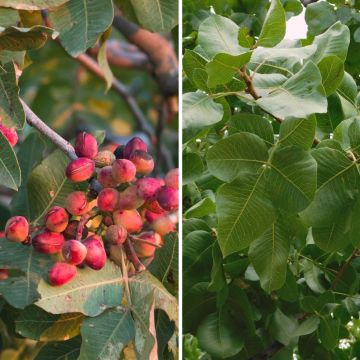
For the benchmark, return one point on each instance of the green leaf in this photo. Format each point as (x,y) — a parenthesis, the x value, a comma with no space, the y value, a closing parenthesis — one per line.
(32,4)
(198,303)
(144,283)
(218,34)
(199,111)
(48,185)
(329,332)
(79,23)
(219,335)
(30,154)
(10,173)
(237,154)
(144,316)
(90,292)
(103,60)
(269,254)
(332,73)
(319,16)
(17,39)
(300,96)
(165,264)
(330,120)
(193,168)
(223,67)
(202,208)
(300,132)
(308,326)
(282,327)
(156,15)
(105,336)
(334,237)
(348,88)
(274,27)
(244,212)
(11,110)
(334,41)
(289,291)
(292,178)
(68,350)
(337,183)
(191,61)
(197,250)
(37,324)
(218,280)
(22,291)
(252,123)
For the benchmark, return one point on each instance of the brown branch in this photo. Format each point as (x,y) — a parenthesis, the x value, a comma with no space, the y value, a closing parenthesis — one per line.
(250,89)
(131,255)
(269,352)
(159,50)
(33,120)
(123,91)
(124,55)
(343,269)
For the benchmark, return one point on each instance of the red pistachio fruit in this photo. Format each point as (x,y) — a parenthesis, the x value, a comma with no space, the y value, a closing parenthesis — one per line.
(123,171)
(134,144)
(129,219)
(80,169)
(143,161)
(74,252)
(56,219)
(61,273)
(116,234)
(172,178)
(154,206)
(129,199)
(48,242)
(108,199)
(76,203)
(96,255)
(17,229)
(168,198)
(152,216)
(86,145)
(148,187)
(4,274)
(10,134)
(164,225)
(105,177)
(146,250)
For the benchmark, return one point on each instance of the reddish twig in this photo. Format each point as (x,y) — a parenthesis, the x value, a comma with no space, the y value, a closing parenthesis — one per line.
(343,269)
(134,238)
(80,228)
(131,255)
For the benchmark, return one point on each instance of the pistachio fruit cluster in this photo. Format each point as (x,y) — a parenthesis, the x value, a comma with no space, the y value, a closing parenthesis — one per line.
(128,209)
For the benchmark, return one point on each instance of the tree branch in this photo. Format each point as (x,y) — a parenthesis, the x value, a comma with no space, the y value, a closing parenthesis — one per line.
(269,352)
(33,120)
(343,269)
(159,50)
(123,91)
(250,89)
(308,2)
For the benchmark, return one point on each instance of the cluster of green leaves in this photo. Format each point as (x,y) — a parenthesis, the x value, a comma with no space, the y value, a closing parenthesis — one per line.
(91,318)
(271,183)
